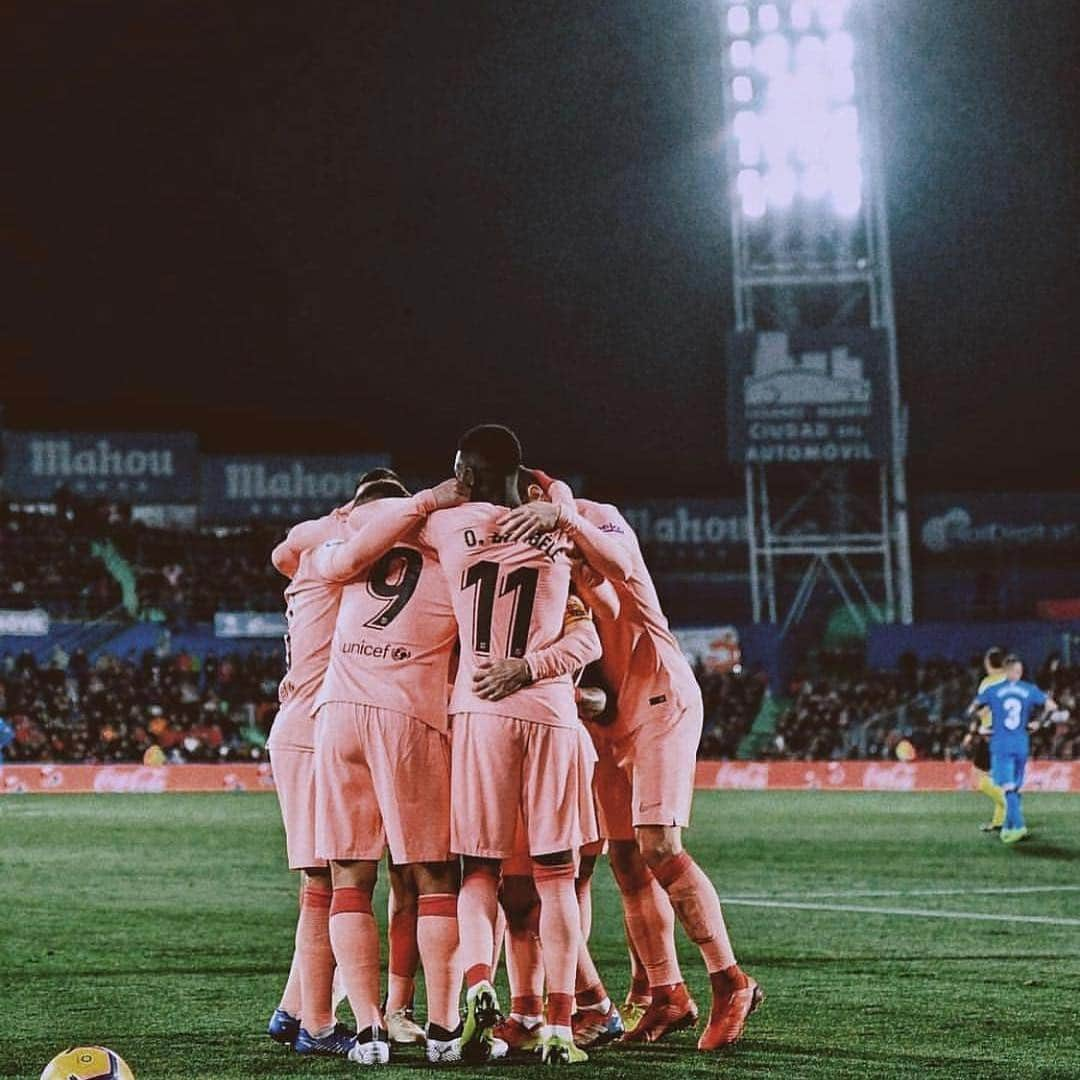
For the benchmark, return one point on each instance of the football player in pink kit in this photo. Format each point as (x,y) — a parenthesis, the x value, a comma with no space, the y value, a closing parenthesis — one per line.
(644,786)
(522,755)
(402,896)
(312,612)
(382,758)
(307,1004)
(596,1020)
(291,743)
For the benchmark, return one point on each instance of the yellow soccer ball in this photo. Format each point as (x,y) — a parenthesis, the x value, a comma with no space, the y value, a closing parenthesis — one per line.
(87,1063)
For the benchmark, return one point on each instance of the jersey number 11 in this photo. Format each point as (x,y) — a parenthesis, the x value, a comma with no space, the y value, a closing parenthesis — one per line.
(484,577)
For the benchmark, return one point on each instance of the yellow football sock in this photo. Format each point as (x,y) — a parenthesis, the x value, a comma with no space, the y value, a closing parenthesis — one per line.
(992,791)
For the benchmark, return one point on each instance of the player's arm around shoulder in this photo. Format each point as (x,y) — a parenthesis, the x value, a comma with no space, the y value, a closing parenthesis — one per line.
(383,524)
(560,513)
(1045,707)
(301,537)
(578,647)
(603,537)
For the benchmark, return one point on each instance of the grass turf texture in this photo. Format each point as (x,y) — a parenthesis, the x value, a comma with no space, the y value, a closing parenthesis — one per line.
(161,926)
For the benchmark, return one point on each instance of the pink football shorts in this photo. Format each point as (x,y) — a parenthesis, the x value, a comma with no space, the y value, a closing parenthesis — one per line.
(506,768)
(381,778)
(647,778)
(294,781)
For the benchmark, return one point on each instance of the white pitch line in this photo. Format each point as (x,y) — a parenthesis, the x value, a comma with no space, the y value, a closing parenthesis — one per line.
(846,893)
(923,913)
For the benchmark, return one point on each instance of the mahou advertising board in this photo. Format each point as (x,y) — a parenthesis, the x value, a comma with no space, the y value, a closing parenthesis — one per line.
(711,776)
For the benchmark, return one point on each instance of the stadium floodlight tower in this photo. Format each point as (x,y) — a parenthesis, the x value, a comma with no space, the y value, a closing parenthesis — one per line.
(814,411)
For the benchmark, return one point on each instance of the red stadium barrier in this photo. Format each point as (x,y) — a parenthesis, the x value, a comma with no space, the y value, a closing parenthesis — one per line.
(870,775)
(145,779)
(711,775)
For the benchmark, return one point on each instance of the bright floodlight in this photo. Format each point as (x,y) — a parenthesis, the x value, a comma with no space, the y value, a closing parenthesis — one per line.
(809,53)
(780,188)
(738,19)
(746,124)
(841,84)
(796,119)
(742,54)
(771,55)
(840,49)
(846,188)
(751,192)
(814,183)
(742,89)
(831,13)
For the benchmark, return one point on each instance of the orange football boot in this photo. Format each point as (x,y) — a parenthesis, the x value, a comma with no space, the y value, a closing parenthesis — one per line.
(732,1005)
(671,1009)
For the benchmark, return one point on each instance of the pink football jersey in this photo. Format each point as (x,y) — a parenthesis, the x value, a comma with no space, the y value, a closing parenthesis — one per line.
(311,608)
(509,600)
(642,661)
(395,633)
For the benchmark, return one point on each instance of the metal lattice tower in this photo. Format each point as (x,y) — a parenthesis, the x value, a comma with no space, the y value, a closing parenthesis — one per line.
(811,254)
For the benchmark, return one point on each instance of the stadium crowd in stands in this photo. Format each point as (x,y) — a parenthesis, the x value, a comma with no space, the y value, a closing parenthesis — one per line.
(120,709)
(187,576)
(219,707)
(731,701)
(46,561)
(826,712)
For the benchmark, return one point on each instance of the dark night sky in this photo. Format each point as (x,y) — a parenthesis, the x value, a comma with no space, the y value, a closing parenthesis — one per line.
(337,226)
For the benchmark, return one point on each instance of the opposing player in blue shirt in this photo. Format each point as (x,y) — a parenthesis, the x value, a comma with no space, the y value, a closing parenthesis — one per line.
(1012,704)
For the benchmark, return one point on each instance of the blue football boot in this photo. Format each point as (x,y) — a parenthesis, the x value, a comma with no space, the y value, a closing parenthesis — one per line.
(337,1044)
(283,1028)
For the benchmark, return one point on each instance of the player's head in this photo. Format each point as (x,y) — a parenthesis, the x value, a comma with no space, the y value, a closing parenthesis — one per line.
(1014,667)
(380,483)
(994,660)
(488,460)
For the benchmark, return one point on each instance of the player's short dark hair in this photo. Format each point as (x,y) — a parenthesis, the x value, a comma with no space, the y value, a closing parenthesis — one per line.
(1012,658)
(995,657)
(379,483)
(496,445)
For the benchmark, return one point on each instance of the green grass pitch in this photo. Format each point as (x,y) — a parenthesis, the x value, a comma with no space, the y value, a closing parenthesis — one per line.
(161,926)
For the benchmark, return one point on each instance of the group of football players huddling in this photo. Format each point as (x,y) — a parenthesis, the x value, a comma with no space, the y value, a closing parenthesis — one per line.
(480,679)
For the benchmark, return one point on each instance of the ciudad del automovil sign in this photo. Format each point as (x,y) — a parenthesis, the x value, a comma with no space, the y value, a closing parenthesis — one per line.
(807,396)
